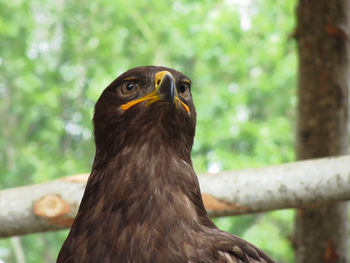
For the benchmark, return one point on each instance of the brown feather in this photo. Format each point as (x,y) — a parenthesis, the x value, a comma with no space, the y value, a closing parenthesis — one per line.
(142,202)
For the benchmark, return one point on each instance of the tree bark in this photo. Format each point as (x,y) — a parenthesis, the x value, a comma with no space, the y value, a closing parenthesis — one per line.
(323,45)
(53,205)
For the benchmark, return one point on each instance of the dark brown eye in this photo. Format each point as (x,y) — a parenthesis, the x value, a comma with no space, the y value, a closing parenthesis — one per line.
(184,89)
(129,87)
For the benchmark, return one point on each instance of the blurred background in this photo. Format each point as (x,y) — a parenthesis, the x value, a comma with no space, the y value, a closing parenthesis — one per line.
(56,57)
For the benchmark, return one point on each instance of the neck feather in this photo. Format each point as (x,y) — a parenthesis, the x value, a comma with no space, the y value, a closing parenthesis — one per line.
(143,192)
(147,176)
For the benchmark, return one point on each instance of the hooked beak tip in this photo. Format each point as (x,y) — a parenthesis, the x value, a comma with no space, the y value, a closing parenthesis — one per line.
(167,88)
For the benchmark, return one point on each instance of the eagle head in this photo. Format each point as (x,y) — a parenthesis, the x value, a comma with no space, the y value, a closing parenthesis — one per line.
(145,103)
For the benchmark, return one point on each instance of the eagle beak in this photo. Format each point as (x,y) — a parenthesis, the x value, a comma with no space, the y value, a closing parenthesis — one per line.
(166,89)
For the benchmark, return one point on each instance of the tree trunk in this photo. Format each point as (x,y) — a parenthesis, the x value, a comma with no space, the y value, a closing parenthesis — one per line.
(323,45)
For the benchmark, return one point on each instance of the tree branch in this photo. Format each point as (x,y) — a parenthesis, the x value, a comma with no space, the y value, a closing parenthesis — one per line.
(293,185)
(53,205)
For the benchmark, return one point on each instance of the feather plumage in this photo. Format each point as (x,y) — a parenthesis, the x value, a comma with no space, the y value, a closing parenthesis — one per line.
(142,202)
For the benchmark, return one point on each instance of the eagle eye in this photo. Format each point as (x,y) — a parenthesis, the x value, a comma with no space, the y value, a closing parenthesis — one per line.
(184,89)
(129,87)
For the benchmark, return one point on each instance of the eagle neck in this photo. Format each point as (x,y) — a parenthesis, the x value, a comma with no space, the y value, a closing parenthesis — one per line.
(147,177)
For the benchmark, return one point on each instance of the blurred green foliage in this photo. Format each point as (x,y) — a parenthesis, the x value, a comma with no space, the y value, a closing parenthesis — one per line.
(57,56)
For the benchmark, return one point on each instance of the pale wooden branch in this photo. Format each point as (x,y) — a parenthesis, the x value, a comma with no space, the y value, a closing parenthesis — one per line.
(53,205)
(293,185)
(41,207)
